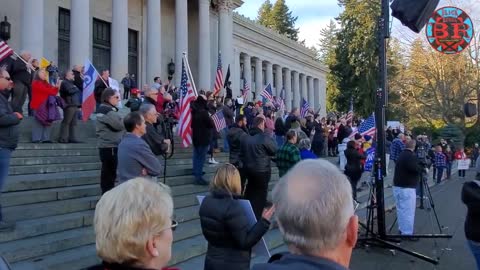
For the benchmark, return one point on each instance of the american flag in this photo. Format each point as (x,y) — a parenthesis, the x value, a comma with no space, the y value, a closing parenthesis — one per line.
(219,77)
(368,126)
(304,108)
(281,101)
(246,90)
(219,121)
(187,96)
(5,51)
(267,93)
(350,112)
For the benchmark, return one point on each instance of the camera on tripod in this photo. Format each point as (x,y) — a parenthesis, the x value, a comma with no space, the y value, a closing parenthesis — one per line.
(422,152)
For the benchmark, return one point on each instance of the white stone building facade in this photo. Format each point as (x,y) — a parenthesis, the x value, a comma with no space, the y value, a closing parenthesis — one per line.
(143,36)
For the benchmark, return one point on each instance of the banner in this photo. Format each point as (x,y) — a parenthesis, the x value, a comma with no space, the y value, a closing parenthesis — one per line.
(369,162)
(464,164)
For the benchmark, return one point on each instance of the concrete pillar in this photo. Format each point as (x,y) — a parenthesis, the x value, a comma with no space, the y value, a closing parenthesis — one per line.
(303,87)
(278,80)
(225,32)
(247,71)
(311,91)
(316,88)
(288,89)
(80,36)
(32,27)
(181,36)
(323,95)
(204,79)
(154,40)
(119,54)
(296,90)
(258,76)
(269,73)
(235,74)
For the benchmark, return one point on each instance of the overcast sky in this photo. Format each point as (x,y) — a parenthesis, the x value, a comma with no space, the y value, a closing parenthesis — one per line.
(314,15)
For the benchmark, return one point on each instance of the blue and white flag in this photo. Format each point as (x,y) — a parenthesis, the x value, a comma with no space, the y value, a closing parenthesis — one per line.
(370,159)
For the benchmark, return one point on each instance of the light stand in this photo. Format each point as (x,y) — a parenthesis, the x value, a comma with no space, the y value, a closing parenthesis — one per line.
(380,238)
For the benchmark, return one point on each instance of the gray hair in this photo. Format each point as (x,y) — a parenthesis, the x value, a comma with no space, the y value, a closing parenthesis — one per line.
(411,144)
(305,144)
(145,108)
(314,204)
(149,91)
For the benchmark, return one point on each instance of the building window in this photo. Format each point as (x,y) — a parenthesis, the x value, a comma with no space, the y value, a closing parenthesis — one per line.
(133,53)
(101,44)
(63,39)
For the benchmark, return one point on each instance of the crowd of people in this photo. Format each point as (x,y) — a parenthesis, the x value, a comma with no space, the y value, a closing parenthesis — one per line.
(257,136)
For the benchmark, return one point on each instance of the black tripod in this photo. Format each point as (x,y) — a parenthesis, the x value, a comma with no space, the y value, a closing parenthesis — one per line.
(431,204)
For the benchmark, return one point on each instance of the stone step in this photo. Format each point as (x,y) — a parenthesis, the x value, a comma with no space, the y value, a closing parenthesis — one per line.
(56,146)
(53,168)
(54,152)
(24,161)
(51,180)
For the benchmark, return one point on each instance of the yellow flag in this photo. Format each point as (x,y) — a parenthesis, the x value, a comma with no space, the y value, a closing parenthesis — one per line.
(44,63)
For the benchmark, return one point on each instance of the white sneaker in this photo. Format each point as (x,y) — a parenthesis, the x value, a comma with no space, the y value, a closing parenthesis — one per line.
(212,161)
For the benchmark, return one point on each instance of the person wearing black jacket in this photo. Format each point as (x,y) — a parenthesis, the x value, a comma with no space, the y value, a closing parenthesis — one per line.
(154,137)
(294,116)
(202,130)
(236,134)
(78,74)
(256,153)
(72,97)
(354,168)
(9,134)
(21,74)
(405,181)
(280,131)
(318,140)
(100,85)
(225,226)
(471,198)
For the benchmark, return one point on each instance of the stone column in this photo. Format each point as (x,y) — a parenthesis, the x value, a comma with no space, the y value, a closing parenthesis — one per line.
(247,71)
(235,74)
(119,54)
(316,89)
(296,90)
(154,40)
(311,91)
(225,32)
(80,37)
(204,79)
(303,87)
(181,36)
(288,89)
(269,73)
(278,79)
(323,95)
(258,76)
(32,27)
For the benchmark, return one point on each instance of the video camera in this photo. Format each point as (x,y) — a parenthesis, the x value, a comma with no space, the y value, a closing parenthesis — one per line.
(422,151)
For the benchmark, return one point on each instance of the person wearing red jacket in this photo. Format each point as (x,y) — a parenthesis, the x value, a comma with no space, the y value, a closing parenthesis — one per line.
(460,155)
(41,90)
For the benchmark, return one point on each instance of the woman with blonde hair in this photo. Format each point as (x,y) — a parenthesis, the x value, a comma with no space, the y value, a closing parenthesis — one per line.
(225,225)
(133,226)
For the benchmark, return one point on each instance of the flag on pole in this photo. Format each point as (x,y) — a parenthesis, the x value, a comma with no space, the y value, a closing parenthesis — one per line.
(369,162)
(187,96)
(267,93)
(44,63)
(246,90)
(282,100)
(304,108)
(368,126)
(219,77)
(219,121)
(227,77)
(90,77)
(5,50)
(350,112)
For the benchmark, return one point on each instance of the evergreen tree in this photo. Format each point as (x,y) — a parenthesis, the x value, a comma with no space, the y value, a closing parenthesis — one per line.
(284,21)
(279,18)
(326,54)
(265,14)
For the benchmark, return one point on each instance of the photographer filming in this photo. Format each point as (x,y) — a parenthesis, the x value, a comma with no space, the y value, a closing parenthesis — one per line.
(407,174)
(422,151)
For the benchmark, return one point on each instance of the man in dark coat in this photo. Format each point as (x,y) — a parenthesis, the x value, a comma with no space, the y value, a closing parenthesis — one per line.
(72,97)
(78,74)
(9,134)
(257,151)
(154,137)
(236,134)
(100,86)
(202,127)
(21,75)
(294,116)
(318,237)
(405,182)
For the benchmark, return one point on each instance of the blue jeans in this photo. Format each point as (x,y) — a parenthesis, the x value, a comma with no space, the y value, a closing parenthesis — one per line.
(199,157)
(226,147)
(5,155)
(475,248)
(280,140)
(439,174)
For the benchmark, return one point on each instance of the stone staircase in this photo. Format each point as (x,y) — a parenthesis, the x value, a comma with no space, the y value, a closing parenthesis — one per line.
(51,193)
